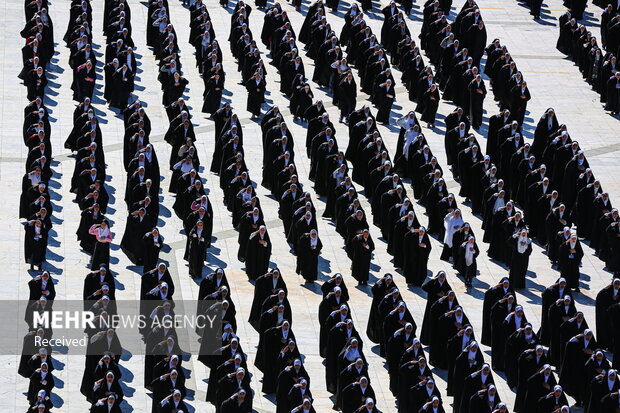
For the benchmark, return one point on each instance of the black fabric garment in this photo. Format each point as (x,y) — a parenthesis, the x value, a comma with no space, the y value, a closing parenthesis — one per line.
(538,386)
(308,258)
(464,366)
(264,288)
(605,298)
(519,261)
(196,250)
(529,364)
(416,253)
(435,290)
(353,396)
(438,338)
(558,314)
(516,344)
(573,365)
(258,254)
(379,291)
(492,296)
(361,254)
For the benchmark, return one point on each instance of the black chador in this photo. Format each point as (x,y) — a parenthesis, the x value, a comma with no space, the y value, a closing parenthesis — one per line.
(436,288)
(379,291)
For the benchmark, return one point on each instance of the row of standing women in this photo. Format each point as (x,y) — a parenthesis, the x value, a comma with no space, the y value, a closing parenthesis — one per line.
(164,370)
(35,206)
(102,384)
(597,60)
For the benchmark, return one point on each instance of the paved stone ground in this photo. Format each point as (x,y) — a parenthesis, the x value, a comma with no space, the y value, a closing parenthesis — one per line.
(553,81)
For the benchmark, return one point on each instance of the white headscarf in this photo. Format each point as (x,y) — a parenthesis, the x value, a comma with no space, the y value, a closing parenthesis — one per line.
(499,203)
(469,253)
(451,221)
(313,241)
(522,243)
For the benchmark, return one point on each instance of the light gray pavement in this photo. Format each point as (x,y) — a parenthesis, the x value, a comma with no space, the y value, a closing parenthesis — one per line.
(553,81)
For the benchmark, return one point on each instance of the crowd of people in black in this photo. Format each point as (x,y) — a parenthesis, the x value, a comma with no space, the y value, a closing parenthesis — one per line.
(541,192)
(597,61)
(489,188)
